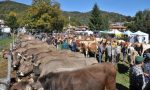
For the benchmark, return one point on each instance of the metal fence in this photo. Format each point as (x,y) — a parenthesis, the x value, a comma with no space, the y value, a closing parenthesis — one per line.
(4,35)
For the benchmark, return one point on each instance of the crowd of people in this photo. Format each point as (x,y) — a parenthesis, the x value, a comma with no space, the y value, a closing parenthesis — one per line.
(139,72)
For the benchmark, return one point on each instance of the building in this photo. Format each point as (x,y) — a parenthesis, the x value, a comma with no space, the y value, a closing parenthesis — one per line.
(82,28)
(3,27)
(1,23)
(117,26)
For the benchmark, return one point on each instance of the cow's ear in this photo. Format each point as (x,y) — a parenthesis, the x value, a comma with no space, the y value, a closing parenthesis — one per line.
(24,59)
(34,64)
(39,64)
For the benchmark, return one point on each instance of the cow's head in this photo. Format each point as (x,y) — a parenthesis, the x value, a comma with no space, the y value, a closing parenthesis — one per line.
(5,53)
(37,86)
(25,68)
(16,59)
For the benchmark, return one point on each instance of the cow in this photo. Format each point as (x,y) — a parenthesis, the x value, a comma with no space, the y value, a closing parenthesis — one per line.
(24,37)
(94,77)
(17,56)
(92,48)
(24,85)
(89,47)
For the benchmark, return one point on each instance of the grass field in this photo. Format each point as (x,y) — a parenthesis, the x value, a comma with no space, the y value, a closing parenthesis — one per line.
(122,74)
(4,44)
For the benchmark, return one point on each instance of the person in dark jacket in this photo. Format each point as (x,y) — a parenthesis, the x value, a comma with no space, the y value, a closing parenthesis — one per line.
(147,67)
(55,42)
(137,79)
(100,52)
(73,46)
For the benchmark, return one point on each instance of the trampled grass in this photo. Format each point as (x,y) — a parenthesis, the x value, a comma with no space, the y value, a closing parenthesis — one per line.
(122,78)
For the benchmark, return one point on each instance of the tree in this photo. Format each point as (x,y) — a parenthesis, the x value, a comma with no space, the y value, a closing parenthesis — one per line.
(11,21)
(39,1)
(44,16)
(141,21)
(105,23)
(96,20)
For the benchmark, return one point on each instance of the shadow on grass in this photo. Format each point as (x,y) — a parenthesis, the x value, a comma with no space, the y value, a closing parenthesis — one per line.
(121,87)
(122,68)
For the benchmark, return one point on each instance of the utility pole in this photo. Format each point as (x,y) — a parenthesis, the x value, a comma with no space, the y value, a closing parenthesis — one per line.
(69,24)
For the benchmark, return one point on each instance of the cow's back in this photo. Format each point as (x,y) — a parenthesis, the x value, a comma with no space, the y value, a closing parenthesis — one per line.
(94,77)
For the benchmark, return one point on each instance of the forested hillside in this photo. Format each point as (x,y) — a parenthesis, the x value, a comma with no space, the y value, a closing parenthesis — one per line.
(8,6)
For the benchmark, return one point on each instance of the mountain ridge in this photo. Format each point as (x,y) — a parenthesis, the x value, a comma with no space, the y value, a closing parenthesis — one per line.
(80,17)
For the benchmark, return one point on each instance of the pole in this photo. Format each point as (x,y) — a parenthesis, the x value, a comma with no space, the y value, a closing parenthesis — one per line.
(69,24)
(13,40)
(9,68)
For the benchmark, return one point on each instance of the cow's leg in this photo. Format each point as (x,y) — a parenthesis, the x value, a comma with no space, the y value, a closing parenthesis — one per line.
(86,53)
(95,54)
(111,82)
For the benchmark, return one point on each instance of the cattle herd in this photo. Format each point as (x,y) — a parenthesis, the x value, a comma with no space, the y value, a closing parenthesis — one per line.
(39,66)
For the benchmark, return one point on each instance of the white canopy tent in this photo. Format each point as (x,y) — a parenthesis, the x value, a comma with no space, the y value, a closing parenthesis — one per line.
(6,30)
(89,32)
(141,36)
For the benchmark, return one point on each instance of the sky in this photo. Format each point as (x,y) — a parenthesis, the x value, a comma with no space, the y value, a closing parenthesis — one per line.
(125,7)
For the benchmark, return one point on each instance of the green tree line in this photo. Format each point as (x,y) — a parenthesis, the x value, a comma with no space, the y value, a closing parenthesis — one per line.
(141,21)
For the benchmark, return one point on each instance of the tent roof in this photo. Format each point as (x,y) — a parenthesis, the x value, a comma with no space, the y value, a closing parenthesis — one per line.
(140,33)
(115,32)
(128,32)
(103,31)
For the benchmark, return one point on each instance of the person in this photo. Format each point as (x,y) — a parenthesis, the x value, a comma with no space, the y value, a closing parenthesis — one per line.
(147,67)
(124,52)
(118,52)
(130,52)
(48,41)
(73,46)
(100,52)
(55,42)
(136,75)
(143,40)
(65,44)
(139,48)
(113,53)
(109,52)
(59,45)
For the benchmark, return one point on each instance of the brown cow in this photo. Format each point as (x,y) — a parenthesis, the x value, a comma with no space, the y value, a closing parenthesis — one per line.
(94,77)
(21,86)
